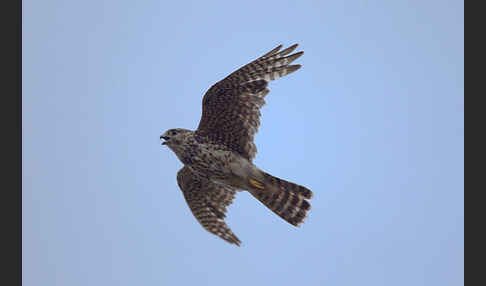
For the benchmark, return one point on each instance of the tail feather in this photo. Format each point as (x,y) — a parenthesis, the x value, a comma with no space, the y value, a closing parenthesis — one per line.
(286,199)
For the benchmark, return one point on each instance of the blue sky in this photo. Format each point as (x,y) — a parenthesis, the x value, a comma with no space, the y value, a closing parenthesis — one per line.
(373,124)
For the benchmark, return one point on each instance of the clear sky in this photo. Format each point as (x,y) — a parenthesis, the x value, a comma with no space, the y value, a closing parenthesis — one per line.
(373,124)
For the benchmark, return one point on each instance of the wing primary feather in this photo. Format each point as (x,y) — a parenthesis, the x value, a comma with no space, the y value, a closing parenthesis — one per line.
(288,50)
(272,51)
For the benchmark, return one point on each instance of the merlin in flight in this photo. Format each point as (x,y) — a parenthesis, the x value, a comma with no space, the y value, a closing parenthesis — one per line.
(218,155)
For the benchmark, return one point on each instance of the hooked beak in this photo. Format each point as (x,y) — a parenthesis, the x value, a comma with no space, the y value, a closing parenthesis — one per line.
(165,138)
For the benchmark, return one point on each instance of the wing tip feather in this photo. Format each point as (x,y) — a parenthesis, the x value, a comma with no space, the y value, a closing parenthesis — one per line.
(293,68)
(274,51)
(288,50)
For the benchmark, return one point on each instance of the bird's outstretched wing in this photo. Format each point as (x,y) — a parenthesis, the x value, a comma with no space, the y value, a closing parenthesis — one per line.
(231,107)
(208,202)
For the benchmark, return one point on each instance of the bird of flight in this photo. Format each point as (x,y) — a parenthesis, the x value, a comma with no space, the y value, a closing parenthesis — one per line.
(218,155)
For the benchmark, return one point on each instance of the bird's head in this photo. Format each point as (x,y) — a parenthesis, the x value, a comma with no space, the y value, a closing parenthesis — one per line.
(174,137)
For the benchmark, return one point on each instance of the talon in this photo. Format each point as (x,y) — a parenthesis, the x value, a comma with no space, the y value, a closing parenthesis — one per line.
(256,184)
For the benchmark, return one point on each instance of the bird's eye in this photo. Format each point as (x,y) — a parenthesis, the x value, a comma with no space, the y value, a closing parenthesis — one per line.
(173,132)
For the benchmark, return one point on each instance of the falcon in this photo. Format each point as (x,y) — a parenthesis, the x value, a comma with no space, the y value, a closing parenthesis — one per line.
(218,155)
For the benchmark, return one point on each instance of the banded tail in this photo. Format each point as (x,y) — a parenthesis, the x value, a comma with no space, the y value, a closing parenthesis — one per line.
(286,199)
